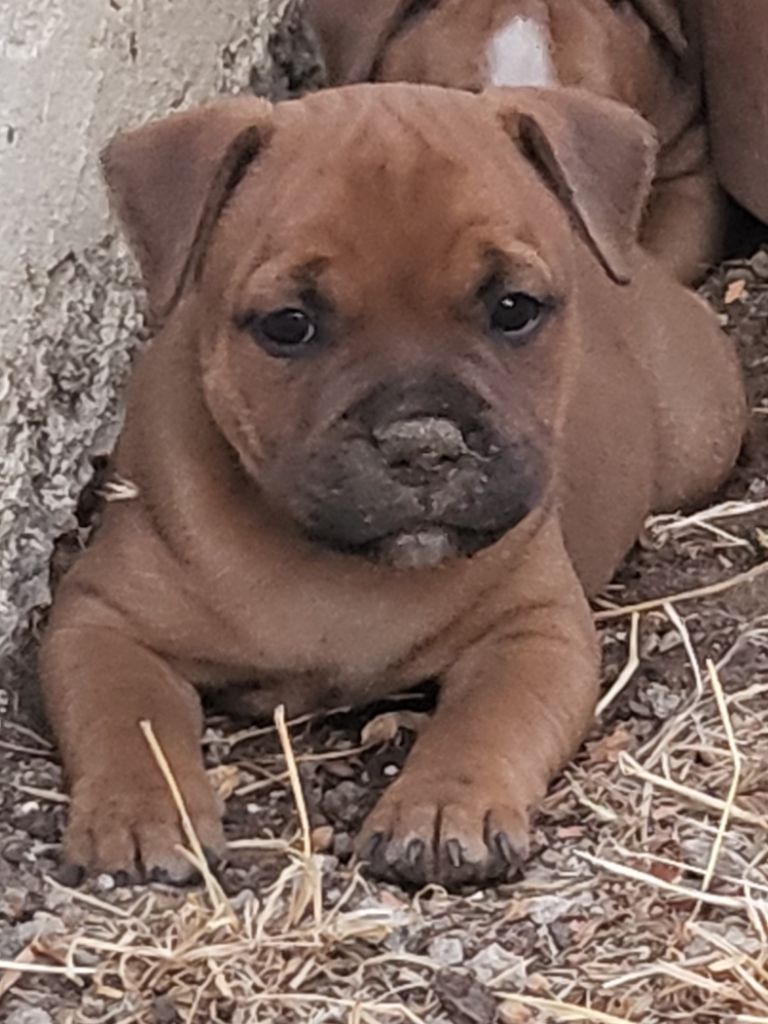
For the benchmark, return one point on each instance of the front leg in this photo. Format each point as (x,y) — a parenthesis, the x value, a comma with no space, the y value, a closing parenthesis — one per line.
(512,710)
(99,683)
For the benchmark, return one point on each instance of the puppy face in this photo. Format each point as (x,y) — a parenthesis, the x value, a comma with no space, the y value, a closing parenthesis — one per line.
(384,328)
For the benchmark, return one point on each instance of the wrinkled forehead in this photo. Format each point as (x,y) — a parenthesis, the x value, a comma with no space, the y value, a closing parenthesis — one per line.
(393,186)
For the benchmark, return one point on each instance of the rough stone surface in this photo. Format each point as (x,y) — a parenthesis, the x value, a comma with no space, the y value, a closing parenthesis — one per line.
(71,312)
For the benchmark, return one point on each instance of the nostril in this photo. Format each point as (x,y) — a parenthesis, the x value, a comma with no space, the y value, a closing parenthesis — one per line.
(423,440)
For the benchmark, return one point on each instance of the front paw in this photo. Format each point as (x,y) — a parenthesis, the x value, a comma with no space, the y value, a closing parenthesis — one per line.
(454,831)
(132,828)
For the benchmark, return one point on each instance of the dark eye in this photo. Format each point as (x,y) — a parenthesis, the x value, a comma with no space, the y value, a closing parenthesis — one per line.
(287,331)
(516,314)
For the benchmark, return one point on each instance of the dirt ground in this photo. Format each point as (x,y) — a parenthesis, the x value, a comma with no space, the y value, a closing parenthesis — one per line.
(646,899)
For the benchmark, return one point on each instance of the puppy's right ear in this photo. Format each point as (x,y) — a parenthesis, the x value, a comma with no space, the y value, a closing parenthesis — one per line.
(353,33)
(169,182)
(596,155)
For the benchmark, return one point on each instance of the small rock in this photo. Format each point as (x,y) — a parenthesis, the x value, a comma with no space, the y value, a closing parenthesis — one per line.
(669,641)
(342,803)
(446,950)
(343,845)
(322,838)
(41,925)
(14,851)
(464,1000)
(92,1005)
(759,264)
(326,863)
(37,824)
(697,947)
(13,902)
(561,933)
(514,1012)
(734,273)
(663,701)
(493,961)
(747,943)
(28,1015)
(339,769)
(163,1011)
(56,899)
(546,909)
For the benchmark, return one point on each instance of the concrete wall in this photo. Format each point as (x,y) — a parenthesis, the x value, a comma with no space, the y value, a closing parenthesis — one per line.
(71,73)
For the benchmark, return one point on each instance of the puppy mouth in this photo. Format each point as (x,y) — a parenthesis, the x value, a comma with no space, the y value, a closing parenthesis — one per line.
(425,546)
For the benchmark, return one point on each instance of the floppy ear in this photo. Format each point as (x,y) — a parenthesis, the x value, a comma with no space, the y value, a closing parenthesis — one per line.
(352,34)
(665,19)
(596,155)
(169,182)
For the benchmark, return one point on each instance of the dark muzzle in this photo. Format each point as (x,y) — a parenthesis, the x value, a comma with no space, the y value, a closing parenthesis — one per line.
(415,474)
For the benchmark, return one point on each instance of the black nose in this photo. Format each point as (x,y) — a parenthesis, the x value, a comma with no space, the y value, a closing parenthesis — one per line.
(424,423)
(423,443)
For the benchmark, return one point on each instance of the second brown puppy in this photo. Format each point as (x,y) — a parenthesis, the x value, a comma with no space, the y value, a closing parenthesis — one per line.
(416,390)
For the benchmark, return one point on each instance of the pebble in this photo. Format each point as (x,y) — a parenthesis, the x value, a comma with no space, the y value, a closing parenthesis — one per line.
(342,802)
(446,950)
(163,1011)
(546,909)
(464,1000)
(13,903)
(494,960)
(15,851)
(322,838)
(663,701)
(343,845)
(42,924)
(28,1015)
(759,264)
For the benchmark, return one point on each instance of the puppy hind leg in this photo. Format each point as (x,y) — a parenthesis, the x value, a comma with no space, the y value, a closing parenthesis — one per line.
(98,685)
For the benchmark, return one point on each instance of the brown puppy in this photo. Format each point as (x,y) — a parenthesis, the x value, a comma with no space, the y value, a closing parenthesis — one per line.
(634,51)
(400,416)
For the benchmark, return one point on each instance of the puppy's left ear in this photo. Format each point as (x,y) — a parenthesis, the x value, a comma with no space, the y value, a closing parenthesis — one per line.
(596,155)
(170,180)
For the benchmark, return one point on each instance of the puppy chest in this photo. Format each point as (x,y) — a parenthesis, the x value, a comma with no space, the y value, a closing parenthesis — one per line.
(340,654)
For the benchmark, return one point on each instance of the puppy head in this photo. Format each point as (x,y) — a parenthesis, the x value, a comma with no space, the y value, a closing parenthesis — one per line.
(382,285)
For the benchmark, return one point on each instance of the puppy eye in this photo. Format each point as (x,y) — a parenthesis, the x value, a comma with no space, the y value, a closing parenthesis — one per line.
(516,314)
(289,329)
